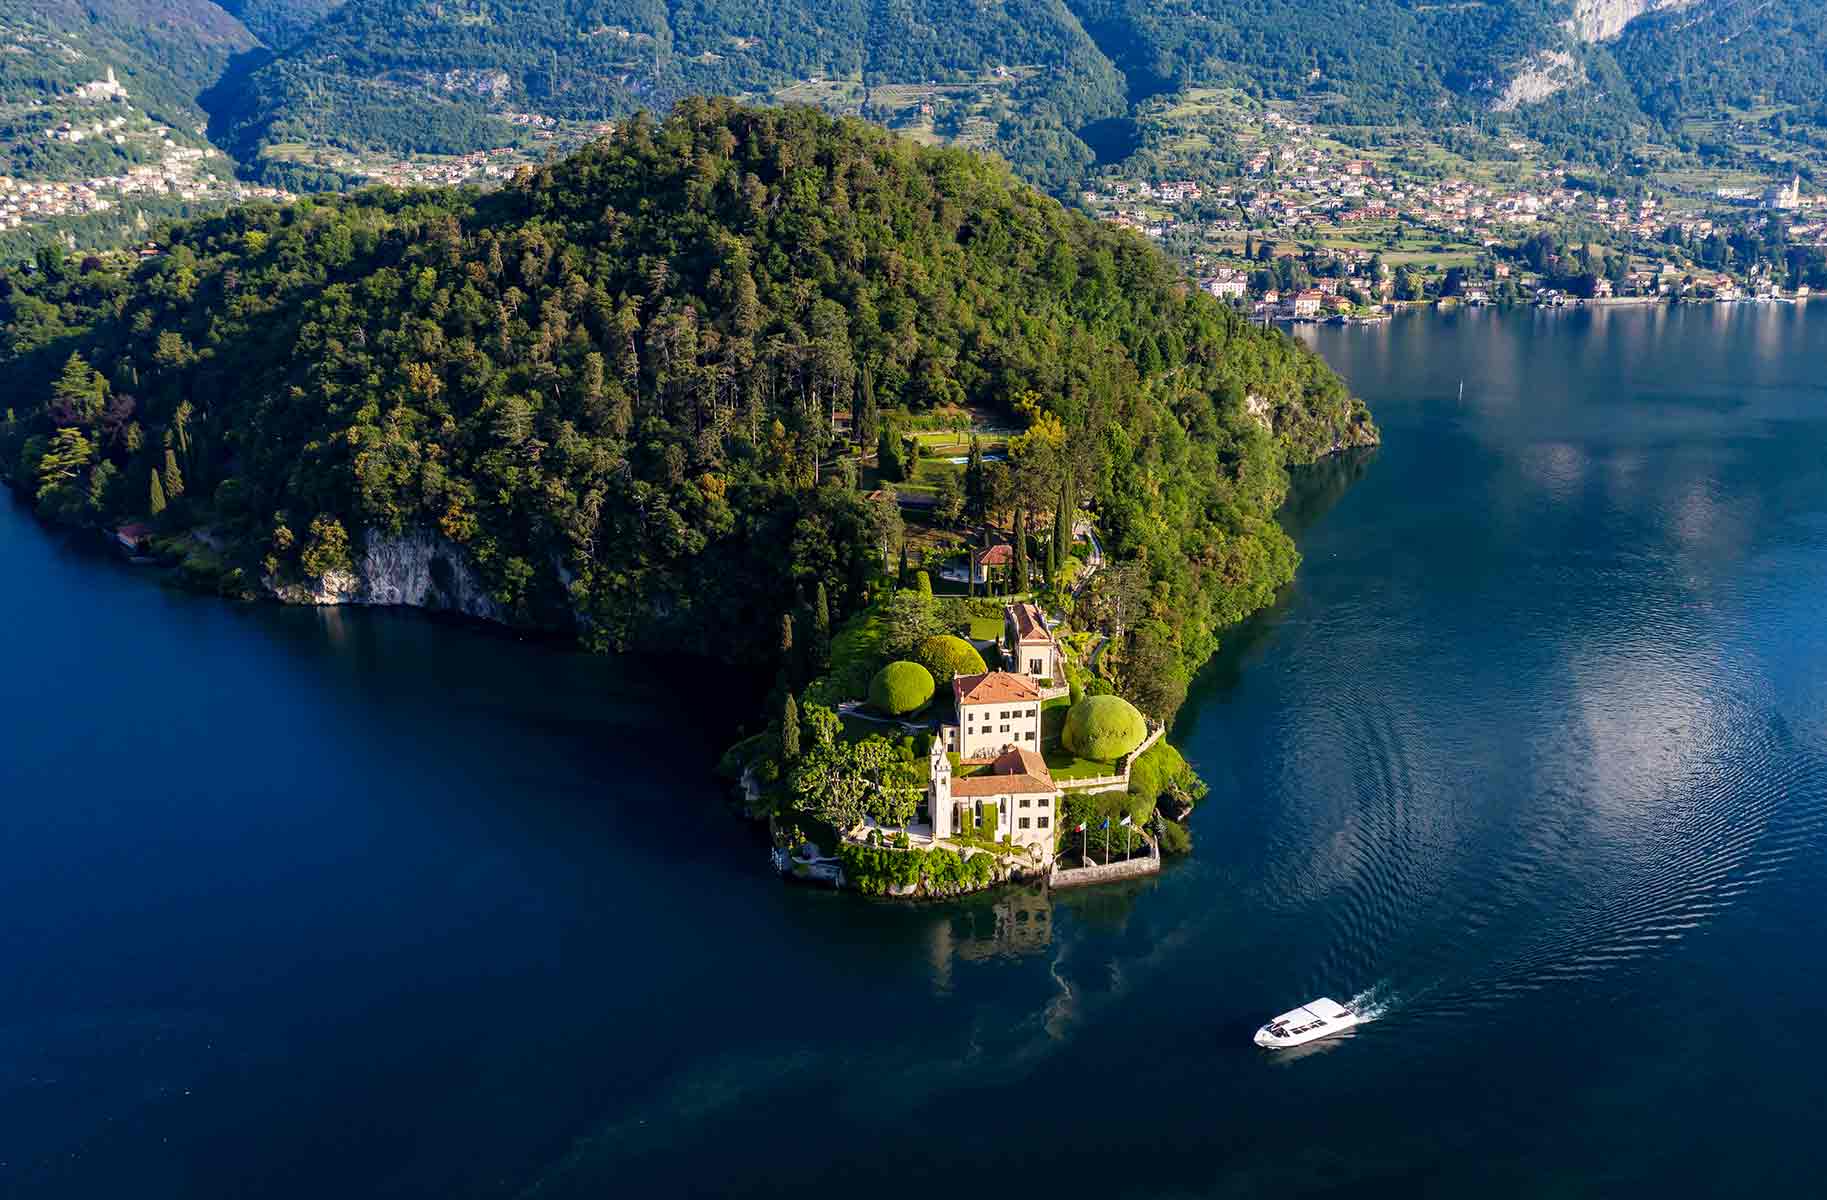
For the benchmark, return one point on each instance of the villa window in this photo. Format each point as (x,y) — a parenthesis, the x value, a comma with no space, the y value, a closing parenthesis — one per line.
(1030,735)
(1024,822)
(1043,822)
(1005,729)
(1024,801)
(1041,803)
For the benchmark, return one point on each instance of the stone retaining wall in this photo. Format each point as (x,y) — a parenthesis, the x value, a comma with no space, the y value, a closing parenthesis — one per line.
(1107,873)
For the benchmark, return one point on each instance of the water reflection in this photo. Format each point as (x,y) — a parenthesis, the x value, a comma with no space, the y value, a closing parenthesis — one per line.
(1010,924)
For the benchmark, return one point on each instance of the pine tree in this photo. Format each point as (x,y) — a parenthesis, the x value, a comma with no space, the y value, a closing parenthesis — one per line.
(156,504)
(174,481)
(789,729)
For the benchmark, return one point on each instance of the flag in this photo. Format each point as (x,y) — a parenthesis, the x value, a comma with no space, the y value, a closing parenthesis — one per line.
(1081,828)
(1106,824)
(1124,821)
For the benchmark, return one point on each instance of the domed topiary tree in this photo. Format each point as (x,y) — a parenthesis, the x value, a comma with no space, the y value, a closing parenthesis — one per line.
(900,688)
(947,657)
(1104,728)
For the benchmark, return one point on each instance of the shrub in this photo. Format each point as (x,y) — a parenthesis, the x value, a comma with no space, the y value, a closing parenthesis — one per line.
(900,688)
(1104,728)
(1150,773)
(1175,839)
(948,657)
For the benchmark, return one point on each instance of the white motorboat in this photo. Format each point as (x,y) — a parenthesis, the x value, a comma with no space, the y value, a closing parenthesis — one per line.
(1310,1022)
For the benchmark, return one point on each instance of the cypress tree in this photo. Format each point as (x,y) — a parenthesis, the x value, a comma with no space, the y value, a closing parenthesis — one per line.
(1062,521)
(888,454)
(174,482)
(1052,566)
(975,485)
(821,628)
(901,578)
(156,504)
(868,417)
(789,729)
(1021,548)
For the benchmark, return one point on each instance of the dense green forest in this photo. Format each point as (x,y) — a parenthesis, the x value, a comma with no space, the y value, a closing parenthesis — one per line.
(613,383)
(1692,63)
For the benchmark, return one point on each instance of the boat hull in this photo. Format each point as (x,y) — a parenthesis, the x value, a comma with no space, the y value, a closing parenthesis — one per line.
(1269,1041)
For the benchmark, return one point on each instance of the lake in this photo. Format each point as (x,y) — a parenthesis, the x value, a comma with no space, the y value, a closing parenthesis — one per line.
(1531,759)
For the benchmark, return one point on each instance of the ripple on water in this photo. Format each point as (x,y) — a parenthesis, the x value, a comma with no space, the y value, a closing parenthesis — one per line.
(1577,890)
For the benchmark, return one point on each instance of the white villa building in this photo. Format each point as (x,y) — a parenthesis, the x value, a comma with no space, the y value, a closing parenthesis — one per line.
(1029,646)
(1015,798)
(997,710)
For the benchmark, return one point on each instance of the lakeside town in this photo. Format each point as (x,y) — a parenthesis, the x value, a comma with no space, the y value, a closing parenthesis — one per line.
(1273,217)
(1269,213)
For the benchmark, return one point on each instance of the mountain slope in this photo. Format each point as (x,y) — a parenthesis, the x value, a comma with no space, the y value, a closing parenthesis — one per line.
(432,75)
(408,75)
(165,52)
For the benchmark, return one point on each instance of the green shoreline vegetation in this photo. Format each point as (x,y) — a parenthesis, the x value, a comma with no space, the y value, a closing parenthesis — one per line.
(642,395)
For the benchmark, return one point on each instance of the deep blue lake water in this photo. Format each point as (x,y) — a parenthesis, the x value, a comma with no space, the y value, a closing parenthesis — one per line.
(1532,757)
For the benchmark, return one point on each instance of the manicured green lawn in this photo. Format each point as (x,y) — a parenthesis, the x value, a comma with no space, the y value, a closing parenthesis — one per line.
(856,652)
(1066,765)
(986,629)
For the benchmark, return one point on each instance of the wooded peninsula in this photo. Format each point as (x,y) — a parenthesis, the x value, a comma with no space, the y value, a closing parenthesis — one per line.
(697,388)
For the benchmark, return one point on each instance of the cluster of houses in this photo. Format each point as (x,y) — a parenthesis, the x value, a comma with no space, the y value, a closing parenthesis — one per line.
(181,175)
(1291,182)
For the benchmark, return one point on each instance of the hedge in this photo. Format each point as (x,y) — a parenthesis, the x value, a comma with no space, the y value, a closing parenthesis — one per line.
(948,657)
(900,688)
(1104,728)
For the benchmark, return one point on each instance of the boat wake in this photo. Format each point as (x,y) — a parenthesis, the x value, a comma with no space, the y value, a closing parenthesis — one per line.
(1373,1002)
(1477,907)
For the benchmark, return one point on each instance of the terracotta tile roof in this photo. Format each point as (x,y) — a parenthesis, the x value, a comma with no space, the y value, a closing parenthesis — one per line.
(1030,626)
(993,687)
(1017,761)
(1002,785)
(1015,772)
(999,555)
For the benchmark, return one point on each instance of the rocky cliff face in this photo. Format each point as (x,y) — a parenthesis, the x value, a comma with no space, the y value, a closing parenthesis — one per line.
(1540,77)
(1602,20)
(417,569)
